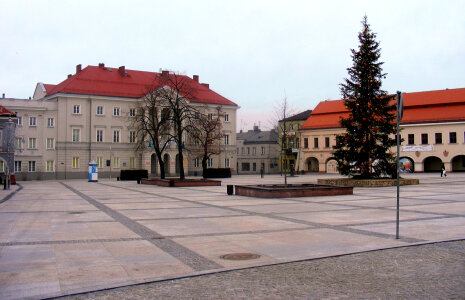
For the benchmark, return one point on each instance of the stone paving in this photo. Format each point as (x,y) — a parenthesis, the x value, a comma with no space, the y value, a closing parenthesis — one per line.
(65,237)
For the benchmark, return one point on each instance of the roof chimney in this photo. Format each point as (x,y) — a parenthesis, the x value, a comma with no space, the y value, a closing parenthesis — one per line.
(165,73)
(3,95)
(78,68)
(69,75)
(101,65)
(122,71)
(206,84)
(196,78)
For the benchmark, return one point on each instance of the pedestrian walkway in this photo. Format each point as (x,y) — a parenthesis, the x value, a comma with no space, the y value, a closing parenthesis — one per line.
(65,237)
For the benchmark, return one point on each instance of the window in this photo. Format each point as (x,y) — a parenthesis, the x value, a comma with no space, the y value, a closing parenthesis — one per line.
(76,133)
(226,117)
(116,111)
(226,162)
(424,138)
(438,137)
(263,150)
(132,137)
(305,142)
(75,162)
(327,142)
(196,163)
(254,151)
(297,143)
(245,166)
(18,166)
(32,121)
(19,121)
(132,112)
(32,166)
(132,162)
(209,162)
(411,139)
(248,150)
(243,150)
(50,122)
(453,137)
(115,162)
(315,143)
(254,167)
(50,165)
(76,109)
(99,161)
(99,135)
(2,166)
(50,143)
(116,136)
(19,143)
(99,110)
(32,143)
(210,117)
(291,126)
(237,151)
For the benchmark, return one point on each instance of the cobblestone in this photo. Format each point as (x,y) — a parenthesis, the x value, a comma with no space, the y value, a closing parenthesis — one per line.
(432,271)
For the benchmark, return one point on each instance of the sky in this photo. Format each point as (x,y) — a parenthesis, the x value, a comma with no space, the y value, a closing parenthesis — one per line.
(252,52)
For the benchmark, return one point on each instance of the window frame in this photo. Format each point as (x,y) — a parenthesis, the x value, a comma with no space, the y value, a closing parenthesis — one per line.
(116,111)
(32,121)
(453,137)
(50,122)
(97,135)
(75,162)
(76,109)
(99,111)
(47,144)
(116,136)
(30,141)
(31,166)
(76,138)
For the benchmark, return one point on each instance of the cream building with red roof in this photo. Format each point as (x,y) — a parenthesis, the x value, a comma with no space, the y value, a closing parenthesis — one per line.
(433,129)
(88,117)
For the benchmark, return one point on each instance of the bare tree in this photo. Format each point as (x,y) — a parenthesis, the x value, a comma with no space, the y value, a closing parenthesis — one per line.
(282,111)
(205,131)
(152,123)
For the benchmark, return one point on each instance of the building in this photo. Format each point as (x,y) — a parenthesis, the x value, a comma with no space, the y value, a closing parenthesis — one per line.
(257,150)
(88,117)
(291,154)
(7,139)
(433,129)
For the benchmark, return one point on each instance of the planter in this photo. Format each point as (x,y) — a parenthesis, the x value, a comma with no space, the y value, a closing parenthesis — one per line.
(291,190)
(176,182)
(367,182)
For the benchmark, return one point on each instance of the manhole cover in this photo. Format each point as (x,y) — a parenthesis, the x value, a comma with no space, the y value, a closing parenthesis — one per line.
(240,256)
(75,212)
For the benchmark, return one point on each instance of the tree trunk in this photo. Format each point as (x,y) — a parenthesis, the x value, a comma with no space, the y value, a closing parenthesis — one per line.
(161,163)
(180,158)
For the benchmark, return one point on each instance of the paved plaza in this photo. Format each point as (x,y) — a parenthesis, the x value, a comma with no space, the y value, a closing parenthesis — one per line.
(66,237)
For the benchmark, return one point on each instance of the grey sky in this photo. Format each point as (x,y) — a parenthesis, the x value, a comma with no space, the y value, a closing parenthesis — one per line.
(251,52)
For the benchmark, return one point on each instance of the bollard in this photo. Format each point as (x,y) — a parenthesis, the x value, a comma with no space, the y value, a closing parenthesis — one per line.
(230,189)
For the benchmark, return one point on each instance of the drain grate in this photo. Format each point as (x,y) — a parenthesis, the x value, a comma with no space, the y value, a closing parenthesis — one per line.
(75,212)
(240,256)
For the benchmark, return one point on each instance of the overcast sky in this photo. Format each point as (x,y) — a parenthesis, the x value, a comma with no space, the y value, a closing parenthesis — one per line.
(251,52)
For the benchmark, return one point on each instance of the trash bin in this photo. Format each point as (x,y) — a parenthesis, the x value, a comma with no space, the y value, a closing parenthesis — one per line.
(93,171)
(230,189)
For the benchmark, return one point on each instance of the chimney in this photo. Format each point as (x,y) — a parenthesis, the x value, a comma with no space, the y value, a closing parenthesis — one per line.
(101,65)
(78,68)
(206,84)
(122,71)
(3,95)
(196,78)
(69,75)
(164,73)
(255,128)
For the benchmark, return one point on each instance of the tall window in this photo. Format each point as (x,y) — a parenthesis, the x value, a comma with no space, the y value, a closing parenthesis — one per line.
(116,136)
(305,142)
(19,121)
(411,139)
(254,151)
(75,162)
(327,142)
(315,143)
(226,117)
(453,137)
(32,143)
(132,162)
(99,161)
(210,162)
(132,136)
(291,126)
(31,166)
(116,111)
(115,162)
(50,122)
(196,162)
(19,143)
(210,117)
(76,133)
(50,165)
(424,139)
(50,143)
(18,166)
(76,109)
(99,110)
(438,137)
(99,135)
(132,112)
(226,162)
(32,121)
(248,150)
(263,150)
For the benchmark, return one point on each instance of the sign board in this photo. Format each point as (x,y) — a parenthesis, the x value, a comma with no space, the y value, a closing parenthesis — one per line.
(421,148)
(400,106)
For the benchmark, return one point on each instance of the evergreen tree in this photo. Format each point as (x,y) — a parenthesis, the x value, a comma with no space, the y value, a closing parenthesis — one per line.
(370,128)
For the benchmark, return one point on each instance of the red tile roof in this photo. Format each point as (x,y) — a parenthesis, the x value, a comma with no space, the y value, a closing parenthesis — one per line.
(6,112)
(420,107)
(104,81)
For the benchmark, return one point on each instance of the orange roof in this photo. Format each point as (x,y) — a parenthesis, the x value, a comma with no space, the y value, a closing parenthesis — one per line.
(120,82)
(6,112)
(420,107)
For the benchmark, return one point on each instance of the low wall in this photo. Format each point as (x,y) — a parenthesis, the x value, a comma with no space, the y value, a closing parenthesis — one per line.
(367,182)
(291,190)
(180,183)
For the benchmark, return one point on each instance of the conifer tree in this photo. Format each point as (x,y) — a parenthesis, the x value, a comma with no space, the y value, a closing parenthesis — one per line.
(370,130)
